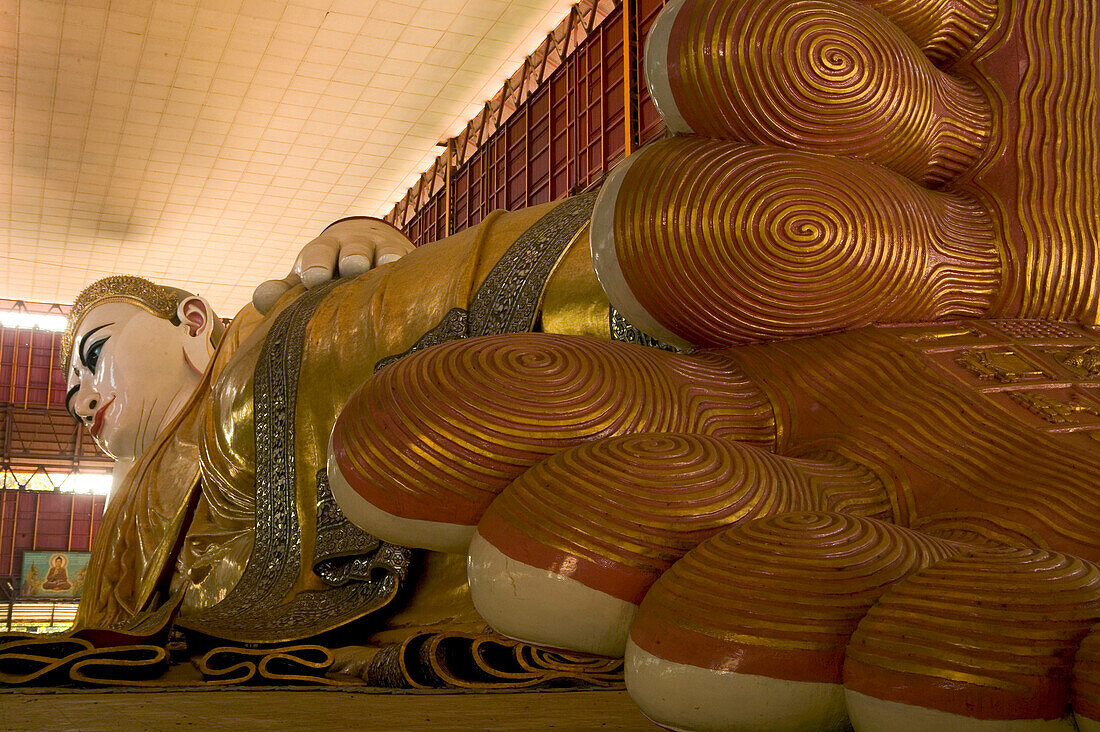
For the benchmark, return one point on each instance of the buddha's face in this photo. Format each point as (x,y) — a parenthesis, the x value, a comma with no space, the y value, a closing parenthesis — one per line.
(131,372)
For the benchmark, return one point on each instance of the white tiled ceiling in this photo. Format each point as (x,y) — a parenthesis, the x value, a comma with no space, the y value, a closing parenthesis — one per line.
(202,143)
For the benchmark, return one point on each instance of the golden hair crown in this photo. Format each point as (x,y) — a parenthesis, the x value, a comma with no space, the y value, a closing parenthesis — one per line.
(159,300)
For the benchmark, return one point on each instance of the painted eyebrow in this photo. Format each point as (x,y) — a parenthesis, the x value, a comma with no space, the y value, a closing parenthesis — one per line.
(84,342)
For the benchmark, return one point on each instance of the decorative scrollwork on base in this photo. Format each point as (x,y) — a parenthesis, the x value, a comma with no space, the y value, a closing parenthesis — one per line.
(30,660)
(481,662)
(302,664)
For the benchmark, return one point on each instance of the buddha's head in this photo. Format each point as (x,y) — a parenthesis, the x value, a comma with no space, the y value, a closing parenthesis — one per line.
(133,354)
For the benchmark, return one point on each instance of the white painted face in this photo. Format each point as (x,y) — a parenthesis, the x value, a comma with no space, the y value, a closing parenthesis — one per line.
(131,372)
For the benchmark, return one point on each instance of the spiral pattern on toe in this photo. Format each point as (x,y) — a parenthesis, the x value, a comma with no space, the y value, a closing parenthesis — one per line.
(779,596)
(944,29)
(820,75)
(437,435)
(989,635)
(615,514)
(725,244)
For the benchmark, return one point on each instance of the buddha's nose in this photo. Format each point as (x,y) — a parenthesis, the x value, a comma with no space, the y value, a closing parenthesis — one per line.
(85,404)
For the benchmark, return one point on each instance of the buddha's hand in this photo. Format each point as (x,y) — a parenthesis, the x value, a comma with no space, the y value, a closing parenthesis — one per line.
(347,248)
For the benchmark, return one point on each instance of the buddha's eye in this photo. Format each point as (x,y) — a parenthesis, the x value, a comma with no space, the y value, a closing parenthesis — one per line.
(91,358)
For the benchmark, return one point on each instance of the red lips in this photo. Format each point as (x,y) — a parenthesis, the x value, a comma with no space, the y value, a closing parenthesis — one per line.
(97,422)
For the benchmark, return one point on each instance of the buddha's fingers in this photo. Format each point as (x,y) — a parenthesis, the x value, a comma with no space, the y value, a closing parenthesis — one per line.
(267,293)
(749,629)
(367,242)
(828,76)
(977,641)
(1086,683)
(720,243)
(346,248)
(423,447)
(595,525)
(316,263)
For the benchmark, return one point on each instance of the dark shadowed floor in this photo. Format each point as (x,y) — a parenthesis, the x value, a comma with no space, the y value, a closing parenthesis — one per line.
(314,709)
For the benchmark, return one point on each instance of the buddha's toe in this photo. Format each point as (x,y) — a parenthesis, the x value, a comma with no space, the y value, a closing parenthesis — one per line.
(718,243)
(430,440)
(564,555)
(830,76)
(424,446)
(978,641)
(748,630)
(546,606)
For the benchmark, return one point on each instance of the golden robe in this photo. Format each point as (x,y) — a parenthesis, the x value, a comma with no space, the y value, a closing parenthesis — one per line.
(221,514)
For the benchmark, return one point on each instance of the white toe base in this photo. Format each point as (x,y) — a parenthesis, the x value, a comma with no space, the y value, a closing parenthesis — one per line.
(684,697)
(538,606)
(870,715)
(415,533)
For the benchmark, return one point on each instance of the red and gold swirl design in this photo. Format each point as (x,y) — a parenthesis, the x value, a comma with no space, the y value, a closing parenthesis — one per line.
(780,596)
(437,435)
(944,29)
(616,513)
(963,467)
(1057,153)
(725,244)
(826,76)
(989,635)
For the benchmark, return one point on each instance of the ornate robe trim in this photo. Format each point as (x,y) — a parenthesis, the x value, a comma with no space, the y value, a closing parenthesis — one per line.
(259,607)
(623,330)
(508,300)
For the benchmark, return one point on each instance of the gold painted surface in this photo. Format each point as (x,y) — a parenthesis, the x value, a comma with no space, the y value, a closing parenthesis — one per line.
(298,664)
(1006,620)
(725,243)
(962,446)
(486,661)
(352,328)
(574,302)
(1057,145)
(797,581)
(137,537)
(833,78)
(379,314)
(944,29)
(1086,677)
(26,659)
(445,430)
(140,529)
(642,501)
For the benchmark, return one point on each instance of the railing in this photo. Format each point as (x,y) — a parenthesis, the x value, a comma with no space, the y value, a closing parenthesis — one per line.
(38,438)
(49,616)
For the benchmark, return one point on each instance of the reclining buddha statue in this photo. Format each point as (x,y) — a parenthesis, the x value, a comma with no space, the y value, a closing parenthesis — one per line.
(799,414)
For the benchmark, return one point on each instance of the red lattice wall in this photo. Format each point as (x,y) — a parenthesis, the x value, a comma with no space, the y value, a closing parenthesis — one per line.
(559,141)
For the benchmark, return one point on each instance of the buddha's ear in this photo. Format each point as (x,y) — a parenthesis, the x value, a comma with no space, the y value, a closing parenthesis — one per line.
(198,318)
(195,314)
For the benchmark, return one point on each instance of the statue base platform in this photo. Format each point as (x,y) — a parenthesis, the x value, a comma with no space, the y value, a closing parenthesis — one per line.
(176,705)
